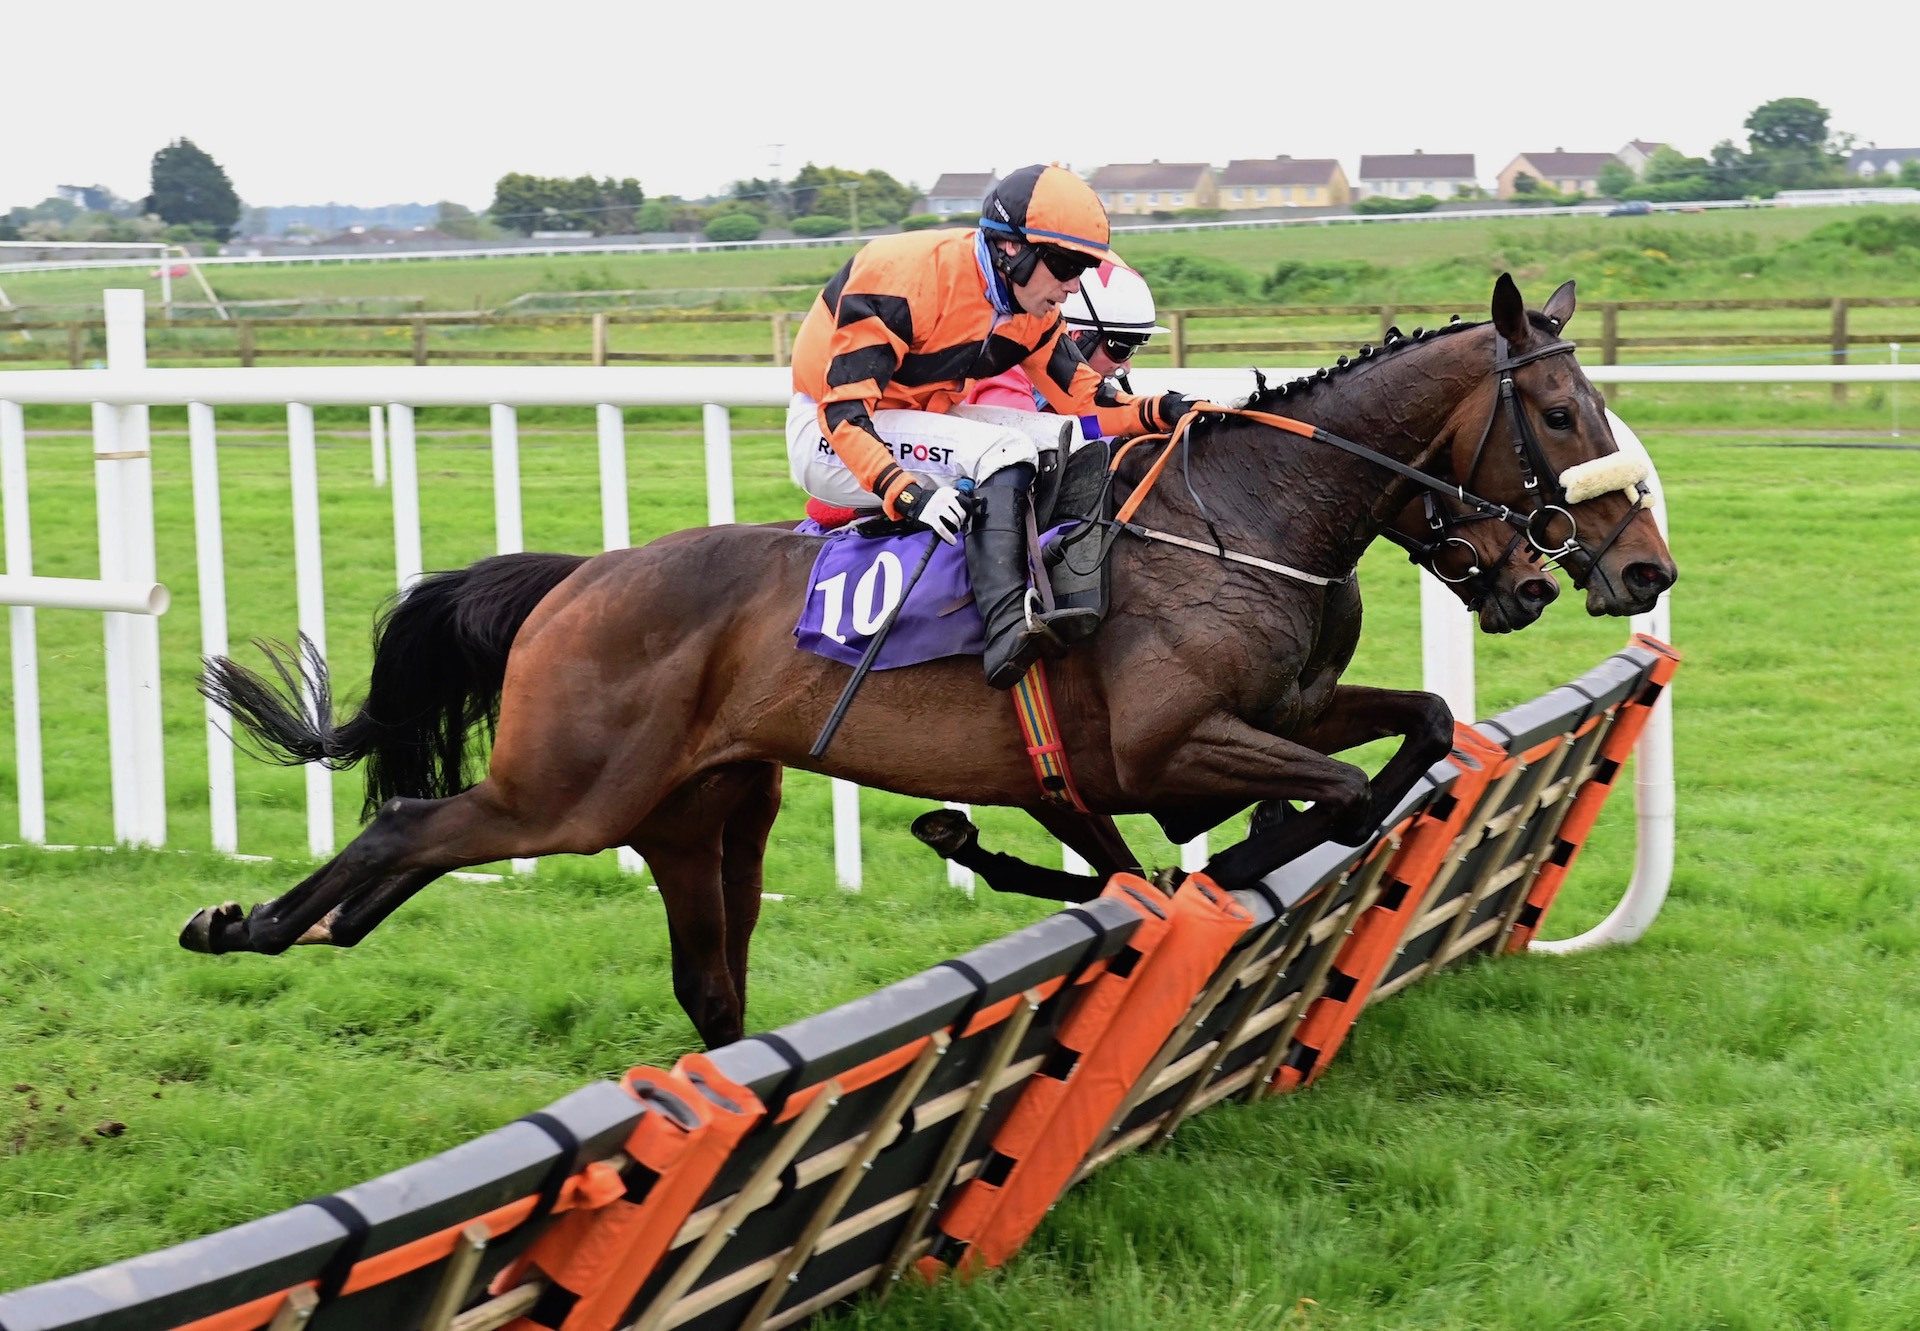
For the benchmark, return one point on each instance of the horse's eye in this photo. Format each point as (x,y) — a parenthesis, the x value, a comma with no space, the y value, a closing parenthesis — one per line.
(1560,418)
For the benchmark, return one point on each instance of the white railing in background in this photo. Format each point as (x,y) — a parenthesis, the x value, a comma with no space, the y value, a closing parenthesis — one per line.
(122,393)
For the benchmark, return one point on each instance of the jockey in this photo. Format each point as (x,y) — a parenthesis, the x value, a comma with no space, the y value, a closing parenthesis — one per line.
(895,342)
(1109,318)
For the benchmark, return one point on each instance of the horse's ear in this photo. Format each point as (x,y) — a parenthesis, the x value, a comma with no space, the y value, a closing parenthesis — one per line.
(1559,308)
(1510,311)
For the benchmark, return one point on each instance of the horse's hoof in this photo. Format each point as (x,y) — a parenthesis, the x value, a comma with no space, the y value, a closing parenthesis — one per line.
(211,928)
(948,831)
(1269,816)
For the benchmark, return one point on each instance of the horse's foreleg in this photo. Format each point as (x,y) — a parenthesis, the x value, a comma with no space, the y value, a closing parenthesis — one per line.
(953,836)
(1357,715)
(1223,759)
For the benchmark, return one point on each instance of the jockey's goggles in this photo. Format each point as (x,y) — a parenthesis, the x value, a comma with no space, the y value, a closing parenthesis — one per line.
(1121,348)
(1065,264)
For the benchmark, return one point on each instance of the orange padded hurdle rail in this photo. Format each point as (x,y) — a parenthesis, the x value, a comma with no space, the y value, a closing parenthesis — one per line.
(1103,1047)
(1630,720)
(1377,935)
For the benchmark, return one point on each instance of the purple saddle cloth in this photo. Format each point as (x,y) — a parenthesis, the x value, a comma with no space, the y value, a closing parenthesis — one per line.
(857,579)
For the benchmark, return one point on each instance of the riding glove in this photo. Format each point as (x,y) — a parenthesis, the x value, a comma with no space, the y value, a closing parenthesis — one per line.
(945,509)
(1170,407)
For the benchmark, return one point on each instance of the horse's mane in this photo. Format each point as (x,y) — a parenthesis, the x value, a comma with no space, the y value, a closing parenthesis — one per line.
(1270,396)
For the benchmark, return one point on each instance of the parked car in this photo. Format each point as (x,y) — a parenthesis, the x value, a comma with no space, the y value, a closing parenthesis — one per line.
(1631,208)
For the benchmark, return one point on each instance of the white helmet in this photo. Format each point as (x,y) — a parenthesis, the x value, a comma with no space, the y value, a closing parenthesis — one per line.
(1114,301)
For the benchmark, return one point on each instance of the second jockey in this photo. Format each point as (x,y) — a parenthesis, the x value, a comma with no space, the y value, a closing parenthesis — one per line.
(1109,318)
(897,340)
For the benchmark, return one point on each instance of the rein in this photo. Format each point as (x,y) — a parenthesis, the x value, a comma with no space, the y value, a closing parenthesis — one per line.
(1534,526)
(1123,520)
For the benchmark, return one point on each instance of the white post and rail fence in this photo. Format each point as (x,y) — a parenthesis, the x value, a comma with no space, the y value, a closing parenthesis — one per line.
(129,595)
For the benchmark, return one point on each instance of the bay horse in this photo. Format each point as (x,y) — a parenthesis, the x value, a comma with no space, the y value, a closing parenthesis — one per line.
(652,697)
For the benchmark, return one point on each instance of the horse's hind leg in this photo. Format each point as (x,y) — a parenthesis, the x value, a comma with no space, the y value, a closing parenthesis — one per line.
(364,869)
(743,856)
(705,844)
(405,838)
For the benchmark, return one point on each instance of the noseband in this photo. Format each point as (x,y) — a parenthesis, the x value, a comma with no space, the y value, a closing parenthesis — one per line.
(1479,578)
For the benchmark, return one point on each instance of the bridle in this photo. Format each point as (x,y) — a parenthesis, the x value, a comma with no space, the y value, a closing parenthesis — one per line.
(1477,582)
(1538,477)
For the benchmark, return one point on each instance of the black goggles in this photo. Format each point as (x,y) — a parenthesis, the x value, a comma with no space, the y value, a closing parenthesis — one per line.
(1066,264)
(1121,348)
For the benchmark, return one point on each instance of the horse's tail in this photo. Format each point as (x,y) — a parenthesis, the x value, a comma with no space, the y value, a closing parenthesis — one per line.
(439,660)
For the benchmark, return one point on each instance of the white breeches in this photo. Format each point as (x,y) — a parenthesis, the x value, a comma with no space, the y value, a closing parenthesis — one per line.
(972,441)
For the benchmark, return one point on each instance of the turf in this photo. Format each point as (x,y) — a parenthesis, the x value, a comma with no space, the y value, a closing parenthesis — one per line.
(1712,1128)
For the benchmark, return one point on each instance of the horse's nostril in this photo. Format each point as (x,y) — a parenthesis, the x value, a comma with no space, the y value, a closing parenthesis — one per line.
(1647,577)
(1539,591)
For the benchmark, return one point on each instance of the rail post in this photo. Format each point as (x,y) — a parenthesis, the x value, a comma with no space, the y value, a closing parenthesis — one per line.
(1610,333)
(781,351)
(1177,339)
(123,488)
(1839,345)
(419,341)
(600,337)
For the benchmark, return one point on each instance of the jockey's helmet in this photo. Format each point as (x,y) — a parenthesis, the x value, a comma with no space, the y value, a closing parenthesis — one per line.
(1053,215)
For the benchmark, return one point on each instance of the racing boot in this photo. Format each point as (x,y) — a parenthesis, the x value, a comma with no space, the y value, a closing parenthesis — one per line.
(997,562)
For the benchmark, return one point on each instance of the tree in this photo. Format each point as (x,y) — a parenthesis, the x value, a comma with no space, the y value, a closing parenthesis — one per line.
(190,189)
(459,221)
(1788,123)
(1788,139)
(1615,179)
(527,203)
(1910,173)
(830,191)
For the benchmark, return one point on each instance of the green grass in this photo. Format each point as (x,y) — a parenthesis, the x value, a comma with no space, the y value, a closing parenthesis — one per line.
(1712,1128)
(1417,260)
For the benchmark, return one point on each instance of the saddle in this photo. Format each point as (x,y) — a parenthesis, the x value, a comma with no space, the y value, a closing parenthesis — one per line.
(1072,569)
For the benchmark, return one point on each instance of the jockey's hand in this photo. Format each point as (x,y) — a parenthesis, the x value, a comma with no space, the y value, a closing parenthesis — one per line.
(945,509)
(1170,407)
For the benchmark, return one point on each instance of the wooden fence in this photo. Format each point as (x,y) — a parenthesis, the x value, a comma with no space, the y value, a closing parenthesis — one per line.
(434,337)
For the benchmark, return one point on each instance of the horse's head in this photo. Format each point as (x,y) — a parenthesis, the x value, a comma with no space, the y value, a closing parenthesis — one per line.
(1485,562)
(1543,446)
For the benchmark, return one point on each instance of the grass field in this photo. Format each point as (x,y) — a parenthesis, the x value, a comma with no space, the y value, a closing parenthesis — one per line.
(1712,1128)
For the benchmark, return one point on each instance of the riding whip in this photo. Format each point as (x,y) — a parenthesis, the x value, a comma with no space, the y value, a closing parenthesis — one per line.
(873,650)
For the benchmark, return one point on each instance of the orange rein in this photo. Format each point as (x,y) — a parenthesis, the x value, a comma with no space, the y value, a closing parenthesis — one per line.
(1287,423)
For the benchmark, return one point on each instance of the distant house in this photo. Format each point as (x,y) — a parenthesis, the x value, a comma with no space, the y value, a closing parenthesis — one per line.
(959,192)
(1132,188)
(1879,163)
(1637,154)
(1283,182)
(1409,175)
(1569,173)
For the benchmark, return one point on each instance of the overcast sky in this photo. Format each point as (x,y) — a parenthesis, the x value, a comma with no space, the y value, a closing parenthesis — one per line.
(365,103)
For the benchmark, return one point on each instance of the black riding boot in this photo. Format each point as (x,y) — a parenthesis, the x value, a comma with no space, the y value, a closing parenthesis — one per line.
(997,561)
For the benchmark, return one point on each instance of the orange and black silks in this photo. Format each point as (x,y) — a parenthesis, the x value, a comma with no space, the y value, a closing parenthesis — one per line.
(1377,935)
(1572,834)
(596,1259)
(907,324)
(1118,1024)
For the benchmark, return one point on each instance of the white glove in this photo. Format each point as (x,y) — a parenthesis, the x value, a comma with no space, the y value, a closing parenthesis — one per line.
(945,510)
